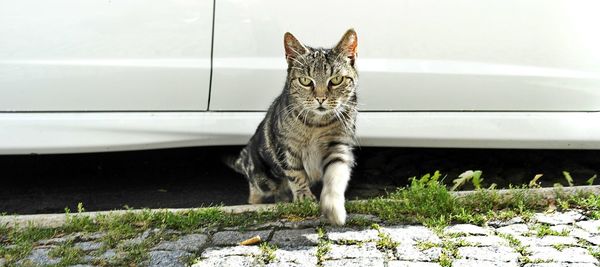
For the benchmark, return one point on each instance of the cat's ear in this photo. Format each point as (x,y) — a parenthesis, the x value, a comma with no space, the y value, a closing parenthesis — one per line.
(293,47)
(347,45)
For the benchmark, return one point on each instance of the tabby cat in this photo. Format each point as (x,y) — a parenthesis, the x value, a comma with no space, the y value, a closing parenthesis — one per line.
(307,134)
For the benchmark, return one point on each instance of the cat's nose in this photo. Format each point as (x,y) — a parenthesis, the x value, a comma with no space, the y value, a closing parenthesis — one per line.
(320,99)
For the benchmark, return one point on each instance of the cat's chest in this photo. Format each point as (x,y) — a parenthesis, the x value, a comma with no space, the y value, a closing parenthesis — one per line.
(313,151)
(311,159)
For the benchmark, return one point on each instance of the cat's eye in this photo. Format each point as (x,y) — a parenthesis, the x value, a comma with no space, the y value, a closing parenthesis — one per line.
(337,80)
(305,81)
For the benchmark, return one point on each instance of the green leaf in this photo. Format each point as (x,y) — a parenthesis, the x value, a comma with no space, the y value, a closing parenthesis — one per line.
(477,179)
(591,180)
(568,178)
(533,183)
(462,179)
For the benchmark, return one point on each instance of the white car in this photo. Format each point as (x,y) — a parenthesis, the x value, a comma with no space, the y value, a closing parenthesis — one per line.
(102,75)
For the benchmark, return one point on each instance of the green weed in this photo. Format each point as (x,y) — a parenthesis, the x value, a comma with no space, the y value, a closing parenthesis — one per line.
(544,230)
(568,178)
(267,253)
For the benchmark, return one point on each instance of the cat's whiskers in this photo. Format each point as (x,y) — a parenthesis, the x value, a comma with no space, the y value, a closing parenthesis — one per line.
(306,115)
(289,109)
(348,123)
(338,115)
(301,112)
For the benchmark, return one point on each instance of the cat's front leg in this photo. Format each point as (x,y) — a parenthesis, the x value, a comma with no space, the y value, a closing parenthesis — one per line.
(299,185)
(335,182)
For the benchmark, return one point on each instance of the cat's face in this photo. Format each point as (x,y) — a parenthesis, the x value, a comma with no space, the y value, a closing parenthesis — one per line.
(322,81)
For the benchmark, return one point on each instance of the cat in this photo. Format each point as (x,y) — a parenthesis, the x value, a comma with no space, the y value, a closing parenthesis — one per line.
(308,133)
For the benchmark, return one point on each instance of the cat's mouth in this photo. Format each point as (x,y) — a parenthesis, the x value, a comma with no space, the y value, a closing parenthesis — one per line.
(322,109)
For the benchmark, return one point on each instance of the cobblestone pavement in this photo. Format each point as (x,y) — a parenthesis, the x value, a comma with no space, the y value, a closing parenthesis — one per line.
(546,240)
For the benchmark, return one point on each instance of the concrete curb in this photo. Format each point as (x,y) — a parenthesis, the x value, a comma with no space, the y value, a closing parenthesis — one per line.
(58,220)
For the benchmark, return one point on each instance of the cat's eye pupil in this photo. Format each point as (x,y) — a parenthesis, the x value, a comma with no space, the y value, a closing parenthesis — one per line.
(305,81)
(336,80)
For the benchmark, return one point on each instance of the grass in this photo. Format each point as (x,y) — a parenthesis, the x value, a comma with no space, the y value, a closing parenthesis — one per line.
(267,253)
(426,200)
(545,230)
(323,246)
(519,248)
(450,244)
(385,242)
(359,221)
(68,254)
(425,245)
(594,252)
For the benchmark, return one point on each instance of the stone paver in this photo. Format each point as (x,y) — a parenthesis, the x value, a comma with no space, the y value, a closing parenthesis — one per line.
(411,253)
(267,225)
(563,227)
(592,226)
(546,240)
(562,264)
(39,257)
(514,229)
(483,241)
(88,246)
(167,258)
(367,250)
(290,264)
(189,243)
(476,263)
(60,240)
(477,246)
(583,235)
(306,256)
(295,238)
(557,218)
(348,234)
(411,234)
(108,255)
(467,229)
(358,262)
(568,255)
(139,239)
(233,261)
(229,238)
(511,221)
(231,251)
(412,264)
(302,224)
(495,254)
(93,236)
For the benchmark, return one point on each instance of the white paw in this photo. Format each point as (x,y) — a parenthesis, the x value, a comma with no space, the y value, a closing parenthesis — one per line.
(332,206)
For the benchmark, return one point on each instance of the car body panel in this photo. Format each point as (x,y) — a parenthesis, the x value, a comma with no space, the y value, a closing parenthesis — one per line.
(44,133)
(95,76)
(96,55)
(423,55)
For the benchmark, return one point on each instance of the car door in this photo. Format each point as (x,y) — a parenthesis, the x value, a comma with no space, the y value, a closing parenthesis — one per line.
(98,55)
(420,55)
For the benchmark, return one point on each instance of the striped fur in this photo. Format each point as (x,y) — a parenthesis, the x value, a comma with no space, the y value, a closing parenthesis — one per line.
(307,135)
